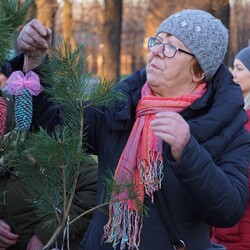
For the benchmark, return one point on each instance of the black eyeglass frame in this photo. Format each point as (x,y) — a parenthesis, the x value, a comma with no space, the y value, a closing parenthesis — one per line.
(170,45)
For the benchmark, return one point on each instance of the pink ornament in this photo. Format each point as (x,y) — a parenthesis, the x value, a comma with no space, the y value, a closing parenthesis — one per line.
(17,82)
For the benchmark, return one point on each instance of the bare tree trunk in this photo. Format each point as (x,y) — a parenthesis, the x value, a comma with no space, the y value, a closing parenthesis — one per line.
(67,22)
(112,39)
(239,27)
(46,11)
(221,10)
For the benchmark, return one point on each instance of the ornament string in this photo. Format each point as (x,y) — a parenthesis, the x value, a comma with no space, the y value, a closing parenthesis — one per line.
(23,87)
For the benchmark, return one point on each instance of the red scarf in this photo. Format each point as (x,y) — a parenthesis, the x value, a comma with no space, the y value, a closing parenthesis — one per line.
(139,170)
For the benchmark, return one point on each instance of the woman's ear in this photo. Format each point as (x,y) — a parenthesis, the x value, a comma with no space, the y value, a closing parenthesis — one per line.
(198,78)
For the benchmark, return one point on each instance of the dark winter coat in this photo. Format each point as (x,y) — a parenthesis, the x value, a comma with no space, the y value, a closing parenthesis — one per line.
(207,186)
(238,236)
(15,208)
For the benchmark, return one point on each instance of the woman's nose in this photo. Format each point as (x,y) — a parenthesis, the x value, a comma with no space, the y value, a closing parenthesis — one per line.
(158,51)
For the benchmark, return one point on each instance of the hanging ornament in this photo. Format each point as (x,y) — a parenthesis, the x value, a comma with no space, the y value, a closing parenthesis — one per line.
(23,87)
(3,115)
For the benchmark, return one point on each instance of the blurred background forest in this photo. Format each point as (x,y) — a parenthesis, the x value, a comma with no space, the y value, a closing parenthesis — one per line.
(115,32)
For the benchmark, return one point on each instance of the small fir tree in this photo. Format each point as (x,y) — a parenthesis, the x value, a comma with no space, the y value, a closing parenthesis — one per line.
(49,163)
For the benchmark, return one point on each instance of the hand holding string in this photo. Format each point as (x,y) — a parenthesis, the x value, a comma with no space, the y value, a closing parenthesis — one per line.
(34,40)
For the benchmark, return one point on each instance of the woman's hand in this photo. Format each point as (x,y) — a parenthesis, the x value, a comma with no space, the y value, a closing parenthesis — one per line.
(174,130)
(7,238)
(34,40)
(35,244)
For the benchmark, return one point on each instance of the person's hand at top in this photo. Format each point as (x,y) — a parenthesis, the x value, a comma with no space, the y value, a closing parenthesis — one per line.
(34,40)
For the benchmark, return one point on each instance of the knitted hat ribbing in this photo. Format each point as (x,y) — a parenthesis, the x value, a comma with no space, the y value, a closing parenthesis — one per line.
(204,35)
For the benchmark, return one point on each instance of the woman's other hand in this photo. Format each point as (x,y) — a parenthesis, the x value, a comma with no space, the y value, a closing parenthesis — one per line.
(174,130)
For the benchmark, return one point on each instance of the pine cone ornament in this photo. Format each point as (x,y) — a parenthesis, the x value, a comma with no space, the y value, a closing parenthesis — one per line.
(3,114)
(23,110)
(23,87)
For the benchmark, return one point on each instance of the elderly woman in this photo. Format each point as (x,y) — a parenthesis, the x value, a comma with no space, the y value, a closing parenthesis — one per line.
(179,132)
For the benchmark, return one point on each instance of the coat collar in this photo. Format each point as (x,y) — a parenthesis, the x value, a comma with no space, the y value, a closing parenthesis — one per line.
(222,102)
(219,105)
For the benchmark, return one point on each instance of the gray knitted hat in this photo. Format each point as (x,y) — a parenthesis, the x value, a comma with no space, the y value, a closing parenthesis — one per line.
(204,35)
(244,57)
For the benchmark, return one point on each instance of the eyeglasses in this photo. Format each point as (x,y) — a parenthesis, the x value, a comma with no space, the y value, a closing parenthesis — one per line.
(169,50)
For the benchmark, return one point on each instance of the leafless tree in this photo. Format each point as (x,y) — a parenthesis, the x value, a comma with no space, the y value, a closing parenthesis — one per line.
(46,11)
(239,27)
(133,35)
(111,38)
(67,23)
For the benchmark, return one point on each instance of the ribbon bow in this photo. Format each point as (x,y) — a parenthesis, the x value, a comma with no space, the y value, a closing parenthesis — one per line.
(17,82)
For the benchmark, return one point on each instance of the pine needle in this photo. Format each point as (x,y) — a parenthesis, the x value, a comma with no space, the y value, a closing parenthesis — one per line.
(112,189)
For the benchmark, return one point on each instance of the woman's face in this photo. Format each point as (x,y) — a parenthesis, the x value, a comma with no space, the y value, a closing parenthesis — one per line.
(241,75)
(170,77)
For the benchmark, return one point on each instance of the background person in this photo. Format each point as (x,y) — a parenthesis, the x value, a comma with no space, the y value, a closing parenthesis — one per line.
(182,125)
(241,75)
(238,236)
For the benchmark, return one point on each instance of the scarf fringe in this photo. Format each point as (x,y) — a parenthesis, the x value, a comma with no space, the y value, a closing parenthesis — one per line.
(124,226)
(151,173)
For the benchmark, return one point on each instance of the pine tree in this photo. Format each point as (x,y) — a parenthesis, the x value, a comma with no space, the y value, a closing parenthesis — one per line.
(50,162)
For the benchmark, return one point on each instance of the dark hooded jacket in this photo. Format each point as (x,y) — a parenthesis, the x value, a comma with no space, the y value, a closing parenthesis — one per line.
(207,186)
(238,236)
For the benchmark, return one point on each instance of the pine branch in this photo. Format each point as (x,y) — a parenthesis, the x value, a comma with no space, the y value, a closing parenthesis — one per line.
(112,189)
(89,211)
(39,160)
(12,14)
(71,81)
(65,217)
(50,163)
(73,91)
(15,10)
